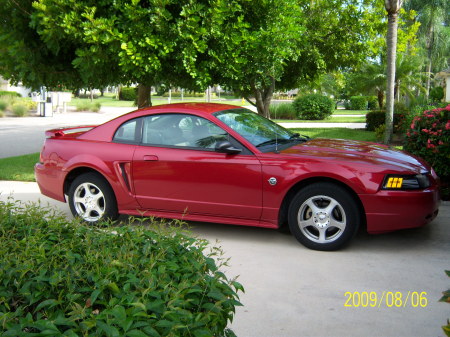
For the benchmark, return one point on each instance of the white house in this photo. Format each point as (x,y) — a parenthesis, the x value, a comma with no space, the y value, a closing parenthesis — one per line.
(5,86)
(445,76)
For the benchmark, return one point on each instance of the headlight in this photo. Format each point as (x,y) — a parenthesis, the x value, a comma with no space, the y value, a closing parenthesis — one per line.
(403,182)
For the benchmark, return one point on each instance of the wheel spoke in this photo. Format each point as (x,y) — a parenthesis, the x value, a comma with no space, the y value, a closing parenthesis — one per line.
(329,209)
(303,223)
(322,235)
(337,223)
(310,203)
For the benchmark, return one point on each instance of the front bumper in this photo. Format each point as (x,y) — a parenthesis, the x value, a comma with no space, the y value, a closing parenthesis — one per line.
(392,210)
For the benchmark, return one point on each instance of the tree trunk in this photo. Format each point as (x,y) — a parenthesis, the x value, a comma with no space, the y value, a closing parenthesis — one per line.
(143,97)
(263,97)
(380,95)
(393,8)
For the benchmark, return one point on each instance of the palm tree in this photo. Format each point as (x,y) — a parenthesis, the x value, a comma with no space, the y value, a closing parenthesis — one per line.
(393,9)
(369,80)
(434,34)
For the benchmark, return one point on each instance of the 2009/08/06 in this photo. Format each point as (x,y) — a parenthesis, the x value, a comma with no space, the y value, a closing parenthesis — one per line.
(389,299)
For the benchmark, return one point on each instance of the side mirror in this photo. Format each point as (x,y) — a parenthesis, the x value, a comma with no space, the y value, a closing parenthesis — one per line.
(226,147)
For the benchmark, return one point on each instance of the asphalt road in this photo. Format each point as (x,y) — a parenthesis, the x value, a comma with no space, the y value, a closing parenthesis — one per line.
(391,283)
(19,136)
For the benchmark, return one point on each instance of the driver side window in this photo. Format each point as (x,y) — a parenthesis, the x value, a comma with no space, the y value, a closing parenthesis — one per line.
(176,130)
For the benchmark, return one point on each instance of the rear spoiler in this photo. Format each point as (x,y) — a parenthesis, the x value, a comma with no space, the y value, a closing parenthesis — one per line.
(61,132)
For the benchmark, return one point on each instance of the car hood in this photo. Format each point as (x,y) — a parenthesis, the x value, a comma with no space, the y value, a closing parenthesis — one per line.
(371,153)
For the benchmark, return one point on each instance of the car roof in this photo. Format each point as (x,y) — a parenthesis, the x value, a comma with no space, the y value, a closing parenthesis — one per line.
(207,108)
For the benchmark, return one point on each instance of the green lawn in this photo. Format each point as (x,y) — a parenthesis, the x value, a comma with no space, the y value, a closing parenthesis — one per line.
(341,133)
(20,168)
(332,119)
(350,112)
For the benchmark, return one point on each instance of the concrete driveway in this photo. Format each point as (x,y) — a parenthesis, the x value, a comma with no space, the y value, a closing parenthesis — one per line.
(293,291)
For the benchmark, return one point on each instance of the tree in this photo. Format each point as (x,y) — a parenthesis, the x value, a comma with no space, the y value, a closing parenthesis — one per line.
(393,9)
(433,34)
(268,45)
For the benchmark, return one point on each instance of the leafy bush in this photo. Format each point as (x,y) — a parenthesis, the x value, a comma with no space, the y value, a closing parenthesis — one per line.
(66,278)
(3,105)
(437,94)
(128,94)
(88,106)
(313,107)
(446,298)
(19,109)
(377,118)
(372,102)
(358,103)
(282,111)
(10,93)
(429,137)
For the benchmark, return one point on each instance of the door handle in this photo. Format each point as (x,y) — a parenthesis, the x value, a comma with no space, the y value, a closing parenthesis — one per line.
(151,158)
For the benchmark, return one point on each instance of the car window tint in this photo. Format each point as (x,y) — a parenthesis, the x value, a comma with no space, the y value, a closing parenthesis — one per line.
(181,131)
(127,132)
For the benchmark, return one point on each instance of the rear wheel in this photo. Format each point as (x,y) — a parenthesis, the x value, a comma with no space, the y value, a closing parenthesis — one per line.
(324,216)
(92,199)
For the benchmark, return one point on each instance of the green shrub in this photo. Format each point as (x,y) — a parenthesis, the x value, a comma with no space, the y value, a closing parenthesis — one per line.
(358,103)
(88,106)
(446,299)
(429,137)
(313,107)
(2,114)
(3,105)
(128,94)
(379,132)
(10,93)
(61,278)
(437,94)
(376,118)
(372,102)
(282,111)
(19,109)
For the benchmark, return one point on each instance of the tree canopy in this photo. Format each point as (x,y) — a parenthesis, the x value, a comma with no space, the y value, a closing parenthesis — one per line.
(252,47)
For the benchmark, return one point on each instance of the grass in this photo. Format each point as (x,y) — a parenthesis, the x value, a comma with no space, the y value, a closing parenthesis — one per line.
(350,112)
(341,133)
(19,168)
(332,119)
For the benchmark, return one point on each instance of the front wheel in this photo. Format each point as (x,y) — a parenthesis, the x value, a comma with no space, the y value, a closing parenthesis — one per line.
(92,199)
(324,216)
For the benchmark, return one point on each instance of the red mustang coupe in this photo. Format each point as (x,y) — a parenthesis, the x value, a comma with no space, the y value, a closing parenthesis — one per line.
(226,164)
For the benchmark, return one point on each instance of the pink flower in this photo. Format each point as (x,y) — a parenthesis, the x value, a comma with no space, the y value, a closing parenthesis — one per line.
(447,126)
(424,130)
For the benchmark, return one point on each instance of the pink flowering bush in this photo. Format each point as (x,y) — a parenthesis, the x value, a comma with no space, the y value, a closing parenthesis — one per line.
(429,137)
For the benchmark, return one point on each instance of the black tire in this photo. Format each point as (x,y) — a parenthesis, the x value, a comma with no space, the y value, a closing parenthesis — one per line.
(92,199)
(324,216)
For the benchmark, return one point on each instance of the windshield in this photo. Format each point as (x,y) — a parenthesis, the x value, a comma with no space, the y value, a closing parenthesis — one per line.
(259,131)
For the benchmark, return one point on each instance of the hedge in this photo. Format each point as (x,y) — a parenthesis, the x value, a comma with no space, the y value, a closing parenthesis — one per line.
(313,107)
(65,278)
(9,93)
(128,94)
(376,118)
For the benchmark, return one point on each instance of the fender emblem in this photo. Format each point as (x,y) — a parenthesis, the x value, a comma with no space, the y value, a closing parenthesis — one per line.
(272,181)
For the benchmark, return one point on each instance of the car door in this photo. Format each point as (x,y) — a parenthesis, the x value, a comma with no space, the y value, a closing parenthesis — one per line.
(176,169)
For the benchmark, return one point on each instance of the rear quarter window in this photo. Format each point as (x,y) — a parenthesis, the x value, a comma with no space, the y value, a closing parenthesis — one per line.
(129,132)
